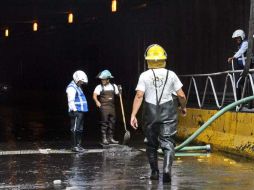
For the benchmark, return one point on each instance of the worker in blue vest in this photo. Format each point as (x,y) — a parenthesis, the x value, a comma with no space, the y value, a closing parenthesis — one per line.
(77,104)
(239,58)
(104,98)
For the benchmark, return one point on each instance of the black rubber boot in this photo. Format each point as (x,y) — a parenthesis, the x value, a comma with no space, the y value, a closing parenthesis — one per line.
(167,164)
(112,141)
(79,142)
(104,139)
(154,175)
(153,161)
(76,147)
(73,140)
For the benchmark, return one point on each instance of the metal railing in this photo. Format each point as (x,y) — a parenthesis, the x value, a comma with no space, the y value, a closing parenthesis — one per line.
(230,77)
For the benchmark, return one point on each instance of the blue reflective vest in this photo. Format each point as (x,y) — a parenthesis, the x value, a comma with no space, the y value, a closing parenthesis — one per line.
(242,59)
(80,98)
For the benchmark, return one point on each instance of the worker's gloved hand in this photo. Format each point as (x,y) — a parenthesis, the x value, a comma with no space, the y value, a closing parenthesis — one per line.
(183,111)
(98,104)
(230,59)
(74,112)
(120,89)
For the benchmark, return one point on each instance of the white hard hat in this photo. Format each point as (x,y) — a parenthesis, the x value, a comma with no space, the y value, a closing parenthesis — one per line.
(80,76)
(239,33)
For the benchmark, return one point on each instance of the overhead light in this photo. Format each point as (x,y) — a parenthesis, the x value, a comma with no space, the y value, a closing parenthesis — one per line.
(6,32)
(114,5)
(70,18)
(35,26)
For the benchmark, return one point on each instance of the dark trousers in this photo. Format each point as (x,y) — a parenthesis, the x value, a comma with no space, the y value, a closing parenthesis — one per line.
(77,122)
(107,122)
(239,82)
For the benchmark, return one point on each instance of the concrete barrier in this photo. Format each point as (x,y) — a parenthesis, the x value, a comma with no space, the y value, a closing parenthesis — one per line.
(233,132)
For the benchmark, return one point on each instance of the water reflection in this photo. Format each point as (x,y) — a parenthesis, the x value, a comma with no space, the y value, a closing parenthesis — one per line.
(116,168)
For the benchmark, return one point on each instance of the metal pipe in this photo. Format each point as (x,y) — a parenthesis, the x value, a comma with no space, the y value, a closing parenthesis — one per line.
(190,148)
(178,154)
(212,119)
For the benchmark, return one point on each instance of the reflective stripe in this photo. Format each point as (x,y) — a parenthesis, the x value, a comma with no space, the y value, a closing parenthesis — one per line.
(80,99)
(75,125)
(242,59)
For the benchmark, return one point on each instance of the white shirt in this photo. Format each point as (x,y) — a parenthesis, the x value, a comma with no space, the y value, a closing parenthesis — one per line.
(71,93)
(108,87)
(146,84)
(242,50)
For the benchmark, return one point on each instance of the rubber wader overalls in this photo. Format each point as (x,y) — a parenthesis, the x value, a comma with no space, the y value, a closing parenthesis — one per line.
(160,123)
(108,115)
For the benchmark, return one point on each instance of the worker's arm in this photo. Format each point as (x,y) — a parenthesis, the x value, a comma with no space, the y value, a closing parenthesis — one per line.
(97,102)
(136,105)
(182,100)
(240,52)
(71,92)
(117,89)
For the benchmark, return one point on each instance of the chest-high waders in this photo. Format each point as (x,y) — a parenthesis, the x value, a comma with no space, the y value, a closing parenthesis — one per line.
(160,123)
(108,115)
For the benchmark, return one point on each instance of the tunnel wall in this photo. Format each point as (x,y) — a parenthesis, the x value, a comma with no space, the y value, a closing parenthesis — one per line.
(195,33)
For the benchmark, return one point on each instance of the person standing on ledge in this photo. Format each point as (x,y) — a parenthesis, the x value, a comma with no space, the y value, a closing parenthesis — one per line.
(239,59)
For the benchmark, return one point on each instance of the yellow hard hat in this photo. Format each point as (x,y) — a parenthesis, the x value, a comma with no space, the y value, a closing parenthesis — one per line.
(156,56)
(155,52)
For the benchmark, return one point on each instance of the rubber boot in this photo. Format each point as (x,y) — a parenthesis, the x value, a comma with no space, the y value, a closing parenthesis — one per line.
(167,164)
(110,136)
(79,142)
(153,161)
(112,140)
(74,142)
(104,139)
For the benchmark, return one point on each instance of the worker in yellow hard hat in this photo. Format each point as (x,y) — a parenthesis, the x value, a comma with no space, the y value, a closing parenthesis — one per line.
(156,86)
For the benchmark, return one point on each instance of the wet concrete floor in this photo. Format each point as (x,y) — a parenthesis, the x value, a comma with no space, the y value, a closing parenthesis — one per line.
(35,151)
(121,167)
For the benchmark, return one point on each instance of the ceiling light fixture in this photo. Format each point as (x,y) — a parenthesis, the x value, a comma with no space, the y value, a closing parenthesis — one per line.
(114,5)
(70,18)
(35,26)
(6,32)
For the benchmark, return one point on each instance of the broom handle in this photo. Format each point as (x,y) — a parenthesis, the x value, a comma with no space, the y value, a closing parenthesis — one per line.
(121,102)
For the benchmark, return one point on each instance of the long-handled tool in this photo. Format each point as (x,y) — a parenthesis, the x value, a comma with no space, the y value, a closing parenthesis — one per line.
(127,135)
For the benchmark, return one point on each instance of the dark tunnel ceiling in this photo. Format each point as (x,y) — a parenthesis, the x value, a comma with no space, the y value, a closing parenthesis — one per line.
(18,15)
(53,11)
